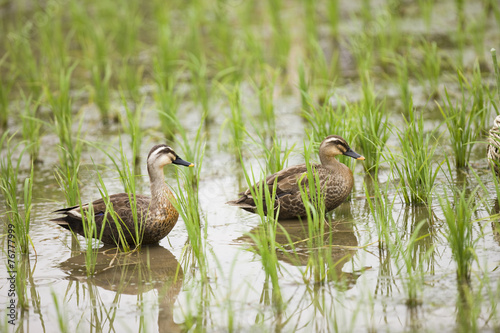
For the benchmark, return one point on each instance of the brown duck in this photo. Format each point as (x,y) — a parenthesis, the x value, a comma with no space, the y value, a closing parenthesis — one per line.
(156,215)
(335,178)
(493,150)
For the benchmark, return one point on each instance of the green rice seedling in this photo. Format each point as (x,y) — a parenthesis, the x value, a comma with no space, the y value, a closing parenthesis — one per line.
(381,208)
(17,215)
(132,125)
(94,42)
(383,29)
(24,277)
(368,90)
(416,170)
(402,70)
(362,47)
(127,176)
(67,178)
(460,124)
(468,308)
(199,75)
(62,123)
(496,70)
(31,126)
(476,29)
(460,32)
(333,11)
(314,202)
(168,50)
(167,101)
(276,155)
(429,70)
(426,8)
(458,212)
(90,231)
(70,145)
(265,239)
(413,281)
(127,21)
(311,22)
(101,76)
(5,89)
(131,79)
(53,41)
(222,35)
(62,319)
(187,204)
(493,7)
(281,39)
(187,199)
(480,111)
(235,122)
(304,86)
(373,132)
(265,91)
(25,64)
(326,120)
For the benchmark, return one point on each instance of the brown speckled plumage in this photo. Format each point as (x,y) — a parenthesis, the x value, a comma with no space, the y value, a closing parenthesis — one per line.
(336,181)
(156,215)
(493,151)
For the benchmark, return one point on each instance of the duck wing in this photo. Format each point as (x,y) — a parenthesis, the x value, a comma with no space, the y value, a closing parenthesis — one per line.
(286,184)
(71,218)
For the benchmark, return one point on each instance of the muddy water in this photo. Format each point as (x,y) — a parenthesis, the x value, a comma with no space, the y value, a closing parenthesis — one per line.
(160,290)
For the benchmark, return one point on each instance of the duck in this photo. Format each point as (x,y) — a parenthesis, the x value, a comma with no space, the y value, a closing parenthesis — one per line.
(156,215)
(493,150)
(336,181)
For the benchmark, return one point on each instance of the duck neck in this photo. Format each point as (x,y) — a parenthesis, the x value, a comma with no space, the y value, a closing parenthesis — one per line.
(158,186)
(329,162)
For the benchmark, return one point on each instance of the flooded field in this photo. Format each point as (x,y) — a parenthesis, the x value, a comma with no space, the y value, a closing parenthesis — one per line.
(243,89)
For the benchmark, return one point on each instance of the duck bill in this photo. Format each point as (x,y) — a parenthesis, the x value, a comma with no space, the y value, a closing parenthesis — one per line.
(180,161)
(353,154)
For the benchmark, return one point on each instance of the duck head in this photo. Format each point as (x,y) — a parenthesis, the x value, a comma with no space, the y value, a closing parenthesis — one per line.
(334,145)
(161,155)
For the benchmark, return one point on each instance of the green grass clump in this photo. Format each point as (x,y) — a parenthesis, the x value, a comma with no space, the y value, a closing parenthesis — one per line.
(458,212)
(265,91)
(416,169)
(5,89)
(90,231)
(167,102)
(276,156)
(31,126)
(381,208)
(372,132)
(265,238)
(460,124)
(235,122)
(132,125)
(319,265)
(18,215)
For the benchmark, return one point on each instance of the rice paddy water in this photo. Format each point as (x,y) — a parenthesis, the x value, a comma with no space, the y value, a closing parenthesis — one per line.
(243,89)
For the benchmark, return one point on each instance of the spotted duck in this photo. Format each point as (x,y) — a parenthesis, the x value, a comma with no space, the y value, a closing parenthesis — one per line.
(493,150)
(156,214)
(336,181)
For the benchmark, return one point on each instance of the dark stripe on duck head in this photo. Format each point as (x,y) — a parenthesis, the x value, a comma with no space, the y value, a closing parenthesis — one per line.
(166,149)
(337,140)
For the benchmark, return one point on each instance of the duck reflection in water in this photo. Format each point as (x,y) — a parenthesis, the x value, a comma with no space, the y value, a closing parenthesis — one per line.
(134,273)
(339,243)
